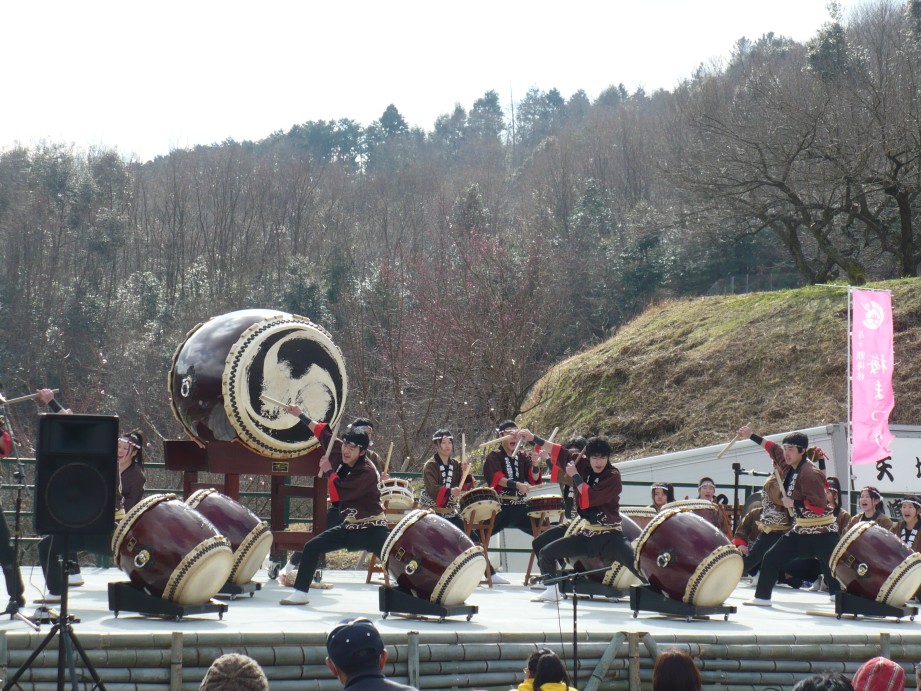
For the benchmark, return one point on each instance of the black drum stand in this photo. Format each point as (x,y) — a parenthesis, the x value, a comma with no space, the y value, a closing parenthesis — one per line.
(233,591)
(127,597)
(396,601)
(643,597)
(846,603)
(589,588)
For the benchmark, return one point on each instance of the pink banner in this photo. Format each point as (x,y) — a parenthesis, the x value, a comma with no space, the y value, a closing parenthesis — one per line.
(871,375)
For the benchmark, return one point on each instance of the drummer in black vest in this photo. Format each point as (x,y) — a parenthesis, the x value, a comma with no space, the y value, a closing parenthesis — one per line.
(597,487)
(353,486)
(512,475)
(441,477)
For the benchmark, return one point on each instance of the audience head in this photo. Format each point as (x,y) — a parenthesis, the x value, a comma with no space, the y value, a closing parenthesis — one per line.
(879,674)
(234,672)
(675,671)
(550,670)
(829,681)
(354,646)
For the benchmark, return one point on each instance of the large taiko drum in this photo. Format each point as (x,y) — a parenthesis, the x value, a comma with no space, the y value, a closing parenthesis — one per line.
(641,515)
(617,575)
(249,537)
(226,366)
(170,550)
(478,505)
(430,558)
(397,494)
(873,563)
(688,558)
(703,508)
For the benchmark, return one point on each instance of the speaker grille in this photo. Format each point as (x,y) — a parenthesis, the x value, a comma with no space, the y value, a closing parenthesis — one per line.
(76,495)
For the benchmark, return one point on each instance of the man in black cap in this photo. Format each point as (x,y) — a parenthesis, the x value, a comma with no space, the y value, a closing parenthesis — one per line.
(356,656)
(353,488)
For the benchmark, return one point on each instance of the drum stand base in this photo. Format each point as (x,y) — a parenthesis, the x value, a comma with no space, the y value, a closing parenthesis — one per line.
(845,603)
(590,588)
(127,597)
(395,601)
(233,591)
(645,598)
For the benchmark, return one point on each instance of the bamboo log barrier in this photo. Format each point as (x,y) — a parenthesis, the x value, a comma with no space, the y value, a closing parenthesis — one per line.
(449,659)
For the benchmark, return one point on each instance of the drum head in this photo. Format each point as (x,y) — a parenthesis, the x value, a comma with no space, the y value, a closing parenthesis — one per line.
(259,352)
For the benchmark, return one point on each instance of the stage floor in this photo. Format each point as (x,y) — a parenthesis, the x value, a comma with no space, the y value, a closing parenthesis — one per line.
(503,608)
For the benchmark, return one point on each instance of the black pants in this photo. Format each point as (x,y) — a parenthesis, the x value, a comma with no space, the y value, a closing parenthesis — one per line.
(333,518)
(791,547)
(51,547)
(758,549)
(611,546)
(11,574)
(545,538)
(513,516)
(370,539)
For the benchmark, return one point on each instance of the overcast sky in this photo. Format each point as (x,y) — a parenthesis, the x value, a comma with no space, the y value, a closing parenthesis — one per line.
(148,77)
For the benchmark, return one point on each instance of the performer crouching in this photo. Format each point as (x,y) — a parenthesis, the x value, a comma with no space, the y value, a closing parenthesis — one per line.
(353,483)
(597,487)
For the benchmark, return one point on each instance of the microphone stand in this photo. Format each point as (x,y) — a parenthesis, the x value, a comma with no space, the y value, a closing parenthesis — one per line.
(738,470)
(574,576)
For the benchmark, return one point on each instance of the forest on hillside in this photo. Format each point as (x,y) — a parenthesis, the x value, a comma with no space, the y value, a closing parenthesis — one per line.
(454,266)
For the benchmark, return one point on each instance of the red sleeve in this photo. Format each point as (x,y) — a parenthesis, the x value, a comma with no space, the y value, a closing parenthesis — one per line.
(333,489)
(443,496)
(494,482)
(554,461)
(6,444)
(815,509)
(738,542)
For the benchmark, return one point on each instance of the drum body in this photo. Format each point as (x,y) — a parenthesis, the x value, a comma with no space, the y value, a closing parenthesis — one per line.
(397,494)
(641,515)
(873,563)
(477,505)
(172,551)
(703,508)
(249,537)
(224,367)
(617,575)
(549,505)
(430,558)
(687,558)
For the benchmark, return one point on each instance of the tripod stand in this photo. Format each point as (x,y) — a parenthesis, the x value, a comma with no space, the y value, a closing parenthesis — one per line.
(69,641)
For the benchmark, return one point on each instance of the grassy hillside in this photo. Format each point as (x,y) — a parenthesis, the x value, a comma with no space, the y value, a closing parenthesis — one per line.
(688,373)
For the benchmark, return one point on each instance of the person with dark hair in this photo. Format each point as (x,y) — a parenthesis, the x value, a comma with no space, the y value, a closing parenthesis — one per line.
(441,478)
(662,493)
(814,532)
(597,487)
(550,674)
(907,529)
(872,509)
(833,494)
(675,671)
(356,656)
(706,491)
(530,669)
(353,488)
(131,478)
(234,672)
(512,476)
(829,681)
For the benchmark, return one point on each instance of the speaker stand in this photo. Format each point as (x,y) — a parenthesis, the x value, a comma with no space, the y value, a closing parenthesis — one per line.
(66,646)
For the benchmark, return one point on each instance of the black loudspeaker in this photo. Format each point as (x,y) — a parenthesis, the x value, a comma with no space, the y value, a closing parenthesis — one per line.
(76,476)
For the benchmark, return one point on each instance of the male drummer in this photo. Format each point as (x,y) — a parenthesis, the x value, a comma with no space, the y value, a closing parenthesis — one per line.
(597,487)
(353,486)
(512,476)
(441,476)
(814,532)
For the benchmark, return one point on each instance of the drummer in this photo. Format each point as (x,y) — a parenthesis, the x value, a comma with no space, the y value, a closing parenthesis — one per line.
(662,493)
(814,532)
(833,494)
(441,476)
(872,509)
(907,529)
(573,447)
(353,486)
(512,476)
(597,487)
(706,491)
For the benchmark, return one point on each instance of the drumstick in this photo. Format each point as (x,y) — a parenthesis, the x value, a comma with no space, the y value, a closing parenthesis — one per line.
(728,446)
(332,443)
(269,399)
(387,462)
(463,460)
(30,397)
(780,484)
(496,441)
